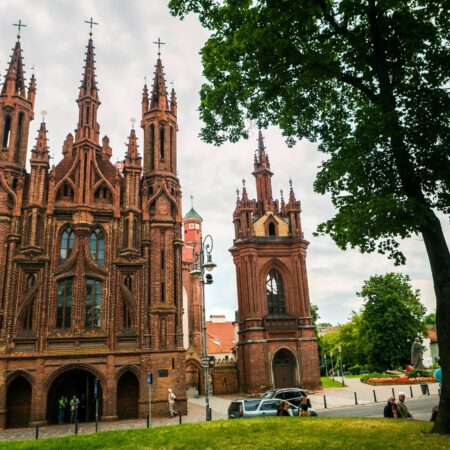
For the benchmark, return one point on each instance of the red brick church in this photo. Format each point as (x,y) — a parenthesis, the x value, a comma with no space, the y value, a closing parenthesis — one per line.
(90,259)
(277,346)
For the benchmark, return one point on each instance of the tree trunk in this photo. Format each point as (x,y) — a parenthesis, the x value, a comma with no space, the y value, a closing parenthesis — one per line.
(439,257)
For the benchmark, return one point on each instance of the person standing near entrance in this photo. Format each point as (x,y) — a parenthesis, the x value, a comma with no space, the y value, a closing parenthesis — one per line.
(74,402)
(171,399)
(62,403)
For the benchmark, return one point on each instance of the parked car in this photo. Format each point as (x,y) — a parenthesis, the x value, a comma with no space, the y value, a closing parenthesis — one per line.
(292,395)
(257,407)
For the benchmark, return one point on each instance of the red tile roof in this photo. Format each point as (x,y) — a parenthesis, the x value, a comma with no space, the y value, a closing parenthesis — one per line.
(220,337)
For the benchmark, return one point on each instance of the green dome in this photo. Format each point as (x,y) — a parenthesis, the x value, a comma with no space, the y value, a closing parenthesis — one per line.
(193,214)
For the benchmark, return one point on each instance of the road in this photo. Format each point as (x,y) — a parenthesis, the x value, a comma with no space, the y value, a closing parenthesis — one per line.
(420,408)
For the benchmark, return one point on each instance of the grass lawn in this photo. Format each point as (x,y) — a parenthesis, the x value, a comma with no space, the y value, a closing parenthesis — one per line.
(328,382)
(267,433)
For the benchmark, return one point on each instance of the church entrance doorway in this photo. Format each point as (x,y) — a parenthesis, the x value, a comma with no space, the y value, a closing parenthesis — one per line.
(194,379)
(283,367)
(128,396)
(74,381)
(18,403)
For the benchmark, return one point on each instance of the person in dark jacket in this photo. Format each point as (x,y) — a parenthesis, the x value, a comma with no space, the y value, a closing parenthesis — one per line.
(390,410)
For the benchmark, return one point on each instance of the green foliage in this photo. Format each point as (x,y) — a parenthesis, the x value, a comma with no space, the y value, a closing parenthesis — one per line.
(355,370)
(367,79)
(391,317)
(377,375)
(414,373)
(430,320)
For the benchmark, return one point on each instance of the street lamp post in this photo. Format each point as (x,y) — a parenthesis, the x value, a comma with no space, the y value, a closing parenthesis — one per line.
(200,266)
(342,367)
(332,367)
(325,363)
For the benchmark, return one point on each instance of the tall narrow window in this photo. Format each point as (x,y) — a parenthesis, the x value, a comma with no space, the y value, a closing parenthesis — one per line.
(163,259)
(38,229)
(126,230)
(97,245)
(171,156)
(93,303)
(162,133)
(135,233)
(28,319)
(126,317)
(19,137)
(64,304)
(66,244)
(272,231)
(87,115)
(163,292)
(275,296)
(31,281)
(152,146)
(128,282)
(6,132)
(29,229)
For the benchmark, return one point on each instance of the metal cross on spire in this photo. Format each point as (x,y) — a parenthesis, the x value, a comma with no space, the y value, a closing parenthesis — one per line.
(159,43)
(19,26)
(91,23)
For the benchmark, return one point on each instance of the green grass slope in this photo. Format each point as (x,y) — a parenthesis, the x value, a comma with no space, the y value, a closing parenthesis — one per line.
(267,433)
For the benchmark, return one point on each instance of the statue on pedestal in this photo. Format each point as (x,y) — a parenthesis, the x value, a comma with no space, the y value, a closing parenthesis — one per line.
(417,354)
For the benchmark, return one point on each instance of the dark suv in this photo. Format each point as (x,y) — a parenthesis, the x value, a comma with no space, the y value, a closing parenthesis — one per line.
(292,395)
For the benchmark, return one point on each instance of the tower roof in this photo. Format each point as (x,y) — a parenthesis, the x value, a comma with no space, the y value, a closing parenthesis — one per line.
(40,151)
(15,72)
(193,214)
(159,91)
(89,83)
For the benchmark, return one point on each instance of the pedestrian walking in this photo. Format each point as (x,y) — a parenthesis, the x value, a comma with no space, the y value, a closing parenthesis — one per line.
(438,373)
(390,410)
(74,402)
(62,403)
(402,409)
(171,399)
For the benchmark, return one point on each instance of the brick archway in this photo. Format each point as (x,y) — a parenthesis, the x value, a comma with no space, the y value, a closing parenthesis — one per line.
(74,380)
(194,376)
(284,369)
(128,396)
(18,402)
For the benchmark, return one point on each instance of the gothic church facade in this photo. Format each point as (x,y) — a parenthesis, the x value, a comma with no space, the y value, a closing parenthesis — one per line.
(90,260)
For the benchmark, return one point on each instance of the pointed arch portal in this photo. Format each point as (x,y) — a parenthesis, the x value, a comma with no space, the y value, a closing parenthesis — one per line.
(18,403)
(283,369)
(128,396)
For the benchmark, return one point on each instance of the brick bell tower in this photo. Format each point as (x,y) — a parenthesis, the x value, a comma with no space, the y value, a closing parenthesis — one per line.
(277,346)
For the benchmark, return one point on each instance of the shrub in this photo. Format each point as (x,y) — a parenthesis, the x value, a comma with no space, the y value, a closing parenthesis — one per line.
(355,370)
(415,373)
(377,375)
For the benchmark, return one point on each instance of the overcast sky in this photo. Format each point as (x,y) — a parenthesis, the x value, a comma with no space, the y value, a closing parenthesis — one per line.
(54,41)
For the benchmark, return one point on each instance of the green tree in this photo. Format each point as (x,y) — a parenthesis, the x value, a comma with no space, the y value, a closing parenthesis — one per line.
(368,79)
(391,317)
(430,320)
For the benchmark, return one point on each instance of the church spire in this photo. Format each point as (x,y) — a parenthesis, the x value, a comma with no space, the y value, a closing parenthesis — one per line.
(145,99)
(263,177)
(132,157)
(159,91)
(88,100)
(14,79)
(40,150)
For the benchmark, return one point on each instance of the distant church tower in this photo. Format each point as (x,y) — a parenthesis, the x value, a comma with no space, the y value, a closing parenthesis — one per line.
(277,346)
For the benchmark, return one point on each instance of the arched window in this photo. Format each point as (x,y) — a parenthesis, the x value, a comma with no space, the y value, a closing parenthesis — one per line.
(66,244)
(272,229)
(28,318)
(275,295)
(93,303)
(64,304)
(6,133)
(152,146)
(97,245)
(31,281)
(162,133)
(19,137)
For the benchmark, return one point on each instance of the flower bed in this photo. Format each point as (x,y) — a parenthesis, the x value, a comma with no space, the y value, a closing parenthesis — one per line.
(399,380)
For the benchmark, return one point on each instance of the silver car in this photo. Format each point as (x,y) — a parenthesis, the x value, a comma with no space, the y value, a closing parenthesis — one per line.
(257,407)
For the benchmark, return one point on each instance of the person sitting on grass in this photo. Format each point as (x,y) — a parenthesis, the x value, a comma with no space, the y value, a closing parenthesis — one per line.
(402,409)
(390,410)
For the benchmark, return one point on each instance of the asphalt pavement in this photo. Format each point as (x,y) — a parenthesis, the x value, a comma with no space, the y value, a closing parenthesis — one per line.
(420,408)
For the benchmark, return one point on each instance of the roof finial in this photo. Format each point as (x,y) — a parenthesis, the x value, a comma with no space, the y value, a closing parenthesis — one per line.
(243,182)
(145,79)
(290,182)
(19,26)
(281,193)
(91,23)
(192,201)
(159,43)
(237,192)
(133,121)
(32,69)
(43,114)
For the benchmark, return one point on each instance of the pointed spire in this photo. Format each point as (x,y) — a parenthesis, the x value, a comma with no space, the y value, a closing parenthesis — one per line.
(282,203)
(14,79)
(145,99)
(89,84)
(173,102)
(40,150)
(260,144)
(32,88)
(132,155)
(159,92)
(292,199)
